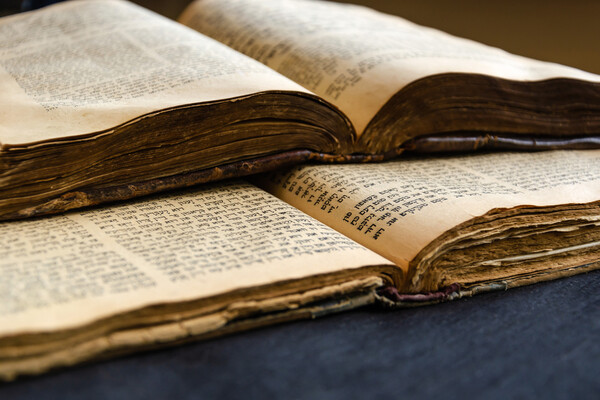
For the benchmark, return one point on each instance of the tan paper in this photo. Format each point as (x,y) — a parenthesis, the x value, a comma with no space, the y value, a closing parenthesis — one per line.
(65,271)
(86,66)
(397,208)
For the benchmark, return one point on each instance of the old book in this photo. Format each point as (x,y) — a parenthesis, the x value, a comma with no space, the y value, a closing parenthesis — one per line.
(227,257)
(103,100)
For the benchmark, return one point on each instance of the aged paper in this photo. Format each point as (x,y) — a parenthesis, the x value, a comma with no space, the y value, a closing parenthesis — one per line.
(68,270)
(351,56)
(397,208)
(86,66)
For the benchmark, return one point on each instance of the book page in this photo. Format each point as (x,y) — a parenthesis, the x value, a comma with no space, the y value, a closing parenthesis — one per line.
(85,66)
(397,208)
(354,57)
(67,270)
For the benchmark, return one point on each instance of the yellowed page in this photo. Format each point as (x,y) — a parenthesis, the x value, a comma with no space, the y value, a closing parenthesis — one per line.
(69,270)
(85,66)
(351,56)
(399,207)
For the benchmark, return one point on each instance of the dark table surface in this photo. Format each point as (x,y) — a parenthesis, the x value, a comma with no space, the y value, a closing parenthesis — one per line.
(532,342)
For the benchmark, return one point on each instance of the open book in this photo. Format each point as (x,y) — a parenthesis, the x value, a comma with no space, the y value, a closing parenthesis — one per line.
(103,100)
(226,257)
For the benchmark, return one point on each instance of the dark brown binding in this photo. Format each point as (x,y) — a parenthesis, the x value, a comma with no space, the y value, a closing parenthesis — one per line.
(472,105)
(392,294)
(85,197)
(469,142)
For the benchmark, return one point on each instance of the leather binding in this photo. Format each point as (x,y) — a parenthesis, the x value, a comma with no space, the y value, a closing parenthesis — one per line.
(438,144)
